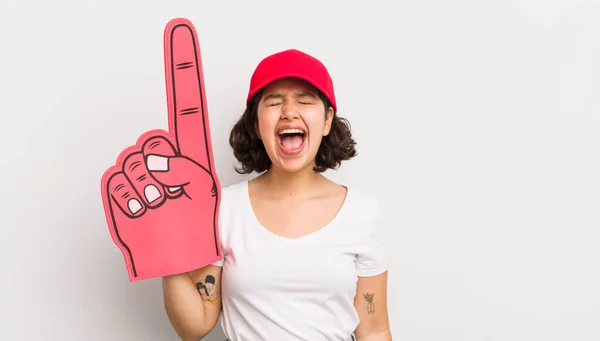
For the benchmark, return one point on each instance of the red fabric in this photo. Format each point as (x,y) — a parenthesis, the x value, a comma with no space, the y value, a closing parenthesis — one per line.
(292,63)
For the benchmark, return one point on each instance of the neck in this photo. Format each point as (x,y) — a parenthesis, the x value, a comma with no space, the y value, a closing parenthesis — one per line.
(280,183)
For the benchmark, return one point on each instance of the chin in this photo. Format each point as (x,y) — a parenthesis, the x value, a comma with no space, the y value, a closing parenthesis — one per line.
(293,165)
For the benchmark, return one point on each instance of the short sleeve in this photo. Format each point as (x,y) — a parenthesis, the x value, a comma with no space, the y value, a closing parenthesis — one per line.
(221,261)
(222,231)
(371,258)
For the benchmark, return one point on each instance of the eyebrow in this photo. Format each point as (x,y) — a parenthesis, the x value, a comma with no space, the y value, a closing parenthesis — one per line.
(279,95)
(306,94)
(273,96)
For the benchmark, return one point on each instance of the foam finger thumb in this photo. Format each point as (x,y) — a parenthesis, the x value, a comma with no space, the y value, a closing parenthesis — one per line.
(175,171)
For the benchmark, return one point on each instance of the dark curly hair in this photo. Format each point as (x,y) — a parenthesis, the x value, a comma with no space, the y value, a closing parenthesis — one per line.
(249,150)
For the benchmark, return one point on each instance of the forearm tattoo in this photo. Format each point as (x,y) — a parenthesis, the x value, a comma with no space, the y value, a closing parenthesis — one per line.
(208,290)
(370,305)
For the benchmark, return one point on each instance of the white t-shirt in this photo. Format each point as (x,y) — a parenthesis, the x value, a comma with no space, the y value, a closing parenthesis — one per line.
(277,288)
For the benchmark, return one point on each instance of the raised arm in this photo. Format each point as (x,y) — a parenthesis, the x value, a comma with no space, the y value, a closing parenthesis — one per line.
(193,301)
(371,304)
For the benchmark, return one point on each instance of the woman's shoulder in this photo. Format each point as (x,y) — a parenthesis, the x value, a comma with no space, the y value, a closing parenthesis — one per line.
(232,204)
(233,187)
(234,192)
(362,200)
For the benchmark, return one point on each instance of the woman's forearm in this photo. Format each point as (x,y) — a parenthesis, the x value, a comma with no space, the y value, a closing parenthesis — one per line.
(185,307)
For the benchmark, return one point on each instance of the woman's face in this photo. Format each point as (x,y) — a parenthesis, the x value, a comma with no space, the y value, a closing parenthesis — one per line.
(292,121)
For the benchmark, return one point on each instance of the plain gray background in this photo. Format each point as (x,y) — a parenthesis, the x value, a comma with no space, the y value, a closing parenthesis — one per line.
(477,122)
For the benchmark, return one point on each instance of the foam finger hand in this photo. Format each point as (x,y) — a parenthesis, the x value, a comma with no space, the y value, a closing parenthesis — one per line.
(156,152)
(124,196)
(147,188)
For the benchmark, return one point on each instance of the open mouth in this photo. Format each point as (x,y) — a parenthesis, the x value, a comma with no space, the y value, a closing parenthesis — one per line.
(291,140)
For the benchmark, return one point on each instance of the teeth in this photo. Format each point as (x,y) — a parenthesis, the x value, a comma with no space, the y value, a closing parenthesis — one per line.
(291,131)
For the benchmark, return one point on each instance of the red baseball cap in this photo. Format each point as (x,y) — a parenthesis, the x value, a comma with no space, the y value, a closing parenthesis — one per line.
(292,63)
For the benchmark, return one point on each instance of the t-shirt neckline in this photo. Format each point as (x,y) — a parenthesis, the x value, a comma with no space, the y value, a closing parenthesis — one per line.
(334,221)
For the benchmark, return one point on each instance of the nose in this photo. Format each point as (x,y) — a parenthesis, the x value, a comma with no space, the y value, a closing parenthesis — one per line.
(289,112)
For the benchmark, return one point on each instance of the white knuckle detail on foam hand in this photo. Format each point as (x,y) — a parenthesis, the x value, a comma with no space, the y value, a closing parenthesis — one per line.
(151,193)
(134,206)
(157,163)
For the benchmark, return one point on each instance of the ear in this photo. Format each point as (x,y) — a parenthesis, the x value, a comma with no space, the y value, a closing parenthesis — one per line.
(328,121)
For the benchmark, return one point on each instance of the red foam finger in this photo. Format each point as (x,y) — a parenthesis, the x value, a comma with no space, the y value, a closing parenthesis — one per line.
(186,96)
(160,146)
(121,192)
(175,232)
(151,192)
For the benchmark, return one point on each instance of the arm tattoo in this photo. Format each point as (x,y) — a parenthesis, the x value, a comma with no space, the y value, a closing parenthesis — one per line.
(207,289)
(370,305)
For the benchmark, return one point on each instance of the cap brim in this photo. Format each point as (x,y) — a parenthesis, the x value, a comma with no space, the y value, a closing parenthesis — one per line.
(287,75)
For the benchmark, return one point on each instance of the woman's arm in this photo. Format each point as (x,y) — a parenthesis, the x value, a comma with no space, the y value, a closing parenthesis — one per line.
(371,304)
(193,301)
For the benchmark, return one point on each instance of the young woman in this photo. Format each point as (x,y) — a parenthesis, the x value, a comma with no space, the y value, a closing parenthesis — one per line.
(301,259)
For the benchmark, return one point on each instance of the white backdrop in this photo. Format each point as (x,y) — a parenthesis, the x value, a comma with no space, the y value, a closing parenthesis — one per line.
(477,122)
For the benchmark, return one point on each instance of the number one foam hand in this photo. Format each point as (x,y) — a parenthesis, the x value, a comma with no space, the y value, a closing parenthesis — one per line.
(162,197)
